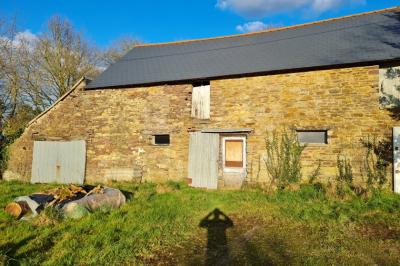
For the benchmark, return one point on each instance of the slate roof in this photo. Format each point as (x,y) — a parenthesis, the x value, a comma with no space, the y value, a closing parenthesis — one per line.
(367,37)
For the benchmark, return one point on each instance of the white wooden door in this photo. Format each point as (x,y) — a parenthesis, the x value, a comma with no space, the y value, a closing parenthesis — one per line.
(59,162)
(396,159)
(203,159)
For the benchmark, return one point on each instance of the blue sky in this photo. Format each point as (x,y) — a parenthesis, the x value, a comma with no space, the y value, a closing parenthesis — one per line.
(160,21)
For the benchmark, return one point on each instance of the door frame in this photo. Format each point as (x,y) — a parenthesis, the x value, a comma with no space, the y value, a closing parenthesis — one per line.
(234,169)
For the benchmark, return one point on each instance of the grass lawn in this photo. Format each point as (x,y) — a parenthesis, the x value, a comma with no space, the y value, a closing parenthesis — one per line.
(166,224)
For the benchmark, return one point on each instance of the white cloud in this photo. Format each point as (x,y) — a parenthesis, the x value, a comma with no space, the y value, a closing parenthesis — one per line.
(26,38)
(261,8)
(321,6)
(257,8)
(254,26)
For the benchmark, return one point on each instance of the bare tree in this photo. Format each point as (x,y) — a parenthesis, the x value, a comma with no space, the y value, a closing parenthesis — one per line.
(36,70)
(118,49)
(63,57)
(9,69)
(19,84)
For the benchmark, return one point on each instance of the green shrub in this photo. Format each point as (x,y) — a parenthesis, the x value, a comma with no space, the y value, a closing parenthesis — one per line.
(344,170)
(375,162)
(312,191)
(174,185)
(283,158)
(314,175)
(344,177)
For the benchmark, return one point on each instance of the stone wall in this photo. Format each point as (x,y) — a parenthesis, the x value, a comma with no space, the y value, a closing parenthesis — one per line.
(118,124)
(343,101)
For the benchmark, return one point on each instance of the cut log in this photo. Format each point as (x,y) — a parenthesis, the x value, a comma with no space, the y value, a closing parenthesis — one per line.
(17,209)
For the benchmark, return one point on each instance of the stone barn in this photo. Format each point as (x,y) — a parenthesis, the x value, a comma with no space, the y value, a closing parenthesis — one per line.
(201,109)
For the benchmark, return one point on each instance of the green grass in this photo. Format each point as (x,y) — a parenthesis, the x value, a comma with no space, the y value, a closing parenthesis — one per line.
(160,225)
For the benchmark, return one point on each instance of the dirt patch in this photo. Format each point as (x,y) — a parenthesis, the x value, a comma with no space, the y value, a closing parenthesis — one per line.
(379,231)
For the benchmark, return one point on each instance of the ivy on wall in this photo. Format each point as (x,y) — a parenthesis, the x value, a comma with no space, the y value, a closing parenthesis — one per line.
(389,87)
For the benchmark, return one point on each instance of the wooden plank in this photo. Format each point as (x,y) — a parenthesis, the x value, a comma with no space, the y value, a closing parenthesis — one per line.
(73,161)
(203,160)
(44,161)
(234,164)
(234,150)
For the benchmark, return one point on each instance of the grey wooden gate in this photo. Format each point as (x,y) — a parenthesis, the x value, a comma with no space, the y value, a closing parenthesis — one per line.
(396,159)
(58,162)
(203,159)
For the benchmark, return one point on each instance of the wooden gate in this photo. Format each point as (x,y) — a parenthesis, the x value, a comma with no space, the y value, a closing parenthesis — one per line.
(396,159)
(59,162)
(203,159)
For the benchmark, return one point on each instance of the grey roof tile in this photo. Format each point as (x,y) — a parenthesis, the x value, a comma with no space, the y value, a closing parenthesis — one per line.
(362,38)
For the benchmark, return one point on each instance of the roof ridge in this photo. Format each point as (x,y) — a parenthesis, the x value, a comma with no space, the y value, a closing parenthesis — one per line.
(241,45)
(270,30)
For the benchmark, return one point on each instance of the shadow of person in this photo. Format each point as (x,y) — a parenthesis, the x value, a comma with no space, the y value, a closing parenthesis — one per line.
(216,223)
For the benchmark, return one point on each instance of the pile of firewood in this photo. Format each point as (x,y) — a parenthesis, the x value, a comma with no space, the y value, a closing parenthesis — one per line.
(71,192)
(53,197)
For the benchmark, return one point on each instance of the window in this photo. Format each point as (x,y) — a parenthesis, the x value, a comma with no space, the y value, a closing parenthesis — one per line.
(163,139)
(201,100)
(313,136)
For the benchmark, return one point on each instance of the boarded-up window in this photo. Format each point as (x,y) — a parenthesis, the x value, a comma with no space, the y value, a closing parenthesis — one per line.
(201,101)
(234,153)
(313,136)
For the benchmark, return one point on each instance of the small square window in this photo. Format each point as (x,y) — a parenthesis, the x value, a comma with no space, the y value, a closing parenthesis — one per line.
(162,139)
(313,136)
